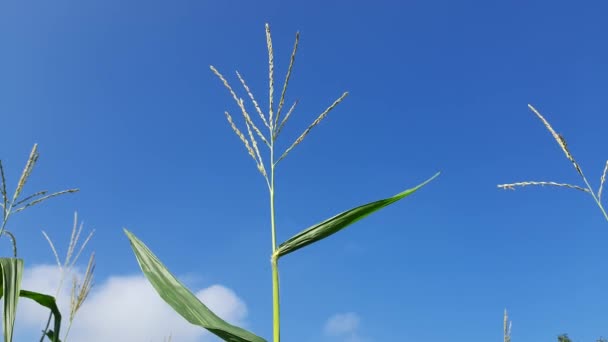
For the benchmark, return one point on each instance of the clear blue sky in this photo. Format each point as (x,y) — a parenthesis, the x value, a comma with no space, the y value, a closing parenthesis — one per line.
(119,96)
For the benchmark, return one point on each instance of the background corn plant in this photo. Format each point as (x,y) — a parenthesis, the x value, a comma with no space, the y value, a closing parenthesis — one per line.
(255,137)
(12,268)
(80,287)
(586,188)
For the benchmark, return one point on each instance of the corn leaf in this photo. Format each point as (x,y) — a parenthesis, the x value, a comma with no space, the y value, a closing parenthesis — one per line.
(50,303)
(334,224)
(52,336)
(182,300)
(12,271)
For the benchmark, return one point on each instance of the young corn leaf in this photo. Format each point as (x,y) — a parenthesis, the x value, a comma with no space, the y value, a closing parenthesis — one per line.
(12,271)
(333,225)
(48,302)
(182,300)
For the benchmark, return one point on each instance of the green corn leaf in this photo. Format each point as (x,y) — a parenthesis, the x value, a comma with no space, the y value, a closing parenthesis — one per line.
(334,224)
(12,271)
(50,303)
(182,300)
(52,336)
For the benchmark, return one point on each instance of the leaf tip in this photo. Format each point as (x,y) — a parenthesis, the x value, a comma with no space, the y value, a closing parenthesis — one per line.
(128,233)
(430,179)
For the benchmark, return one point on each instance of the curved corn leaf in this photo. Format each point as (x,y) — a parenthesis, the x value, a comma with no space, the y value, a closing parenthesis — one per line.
(334,224)
(12,271)
(52,336)
(50,303)
(182,300)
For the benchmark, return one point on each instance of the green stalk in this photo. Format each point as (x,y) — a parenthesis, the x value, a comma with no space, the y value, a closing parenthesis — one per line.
(248,138)
(603,211)
(597,200)
(3,231)
(276,307)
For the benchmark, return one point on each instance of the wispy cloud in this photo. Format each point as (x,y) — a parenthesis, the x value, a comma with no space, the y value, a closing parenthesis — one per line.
(344,327)
(123,308)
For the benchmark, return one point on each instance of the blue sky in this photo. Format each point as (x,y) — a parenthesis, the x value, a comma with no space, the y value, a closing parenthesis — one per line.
(120,99)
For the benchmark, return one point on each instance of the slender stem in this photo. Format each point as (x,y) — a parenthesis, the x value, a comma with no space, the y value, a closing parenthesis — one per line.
(48,321)
(272,215)
(13,241)
(3,231)
(276,307)
(46,328)
(65,337)
(7,214)
(599,204)
(604,211)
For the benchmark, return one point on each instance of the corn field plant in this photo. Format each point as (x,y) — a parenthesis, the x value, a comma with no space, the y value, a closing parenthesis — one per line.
(506,327)
(587,188)
(183,301)
(80,289)
(11,268)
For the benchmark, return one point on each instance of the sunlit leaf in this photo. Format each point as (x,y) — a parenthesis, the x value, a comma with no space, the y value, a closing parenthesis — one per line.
(182,300)
(12,271)
(333,225)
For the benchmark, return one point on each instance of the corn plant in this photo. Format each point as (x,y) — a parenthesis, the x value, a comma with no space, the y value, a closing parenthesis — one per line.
(506,327)
(587,188)
(11,268)
(80,288)
(254,139)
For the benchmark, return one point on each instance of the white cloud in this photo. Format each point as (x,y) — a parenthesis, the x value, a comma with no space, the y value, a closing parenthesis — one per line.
(344,327)
(123,308)
(342,324)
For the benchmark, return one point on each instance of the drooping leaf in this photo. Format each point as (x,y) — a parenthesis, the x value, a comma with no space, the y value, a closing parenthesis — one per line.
(334,224)
(12,271)
(52,336)
(182,300)
(50,303)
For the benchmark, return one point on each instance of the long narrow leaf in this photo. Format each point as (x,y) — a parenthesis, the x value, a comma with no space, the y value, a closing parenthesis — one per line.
(334,224)
(182,300)
(50,303)
(12,271)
